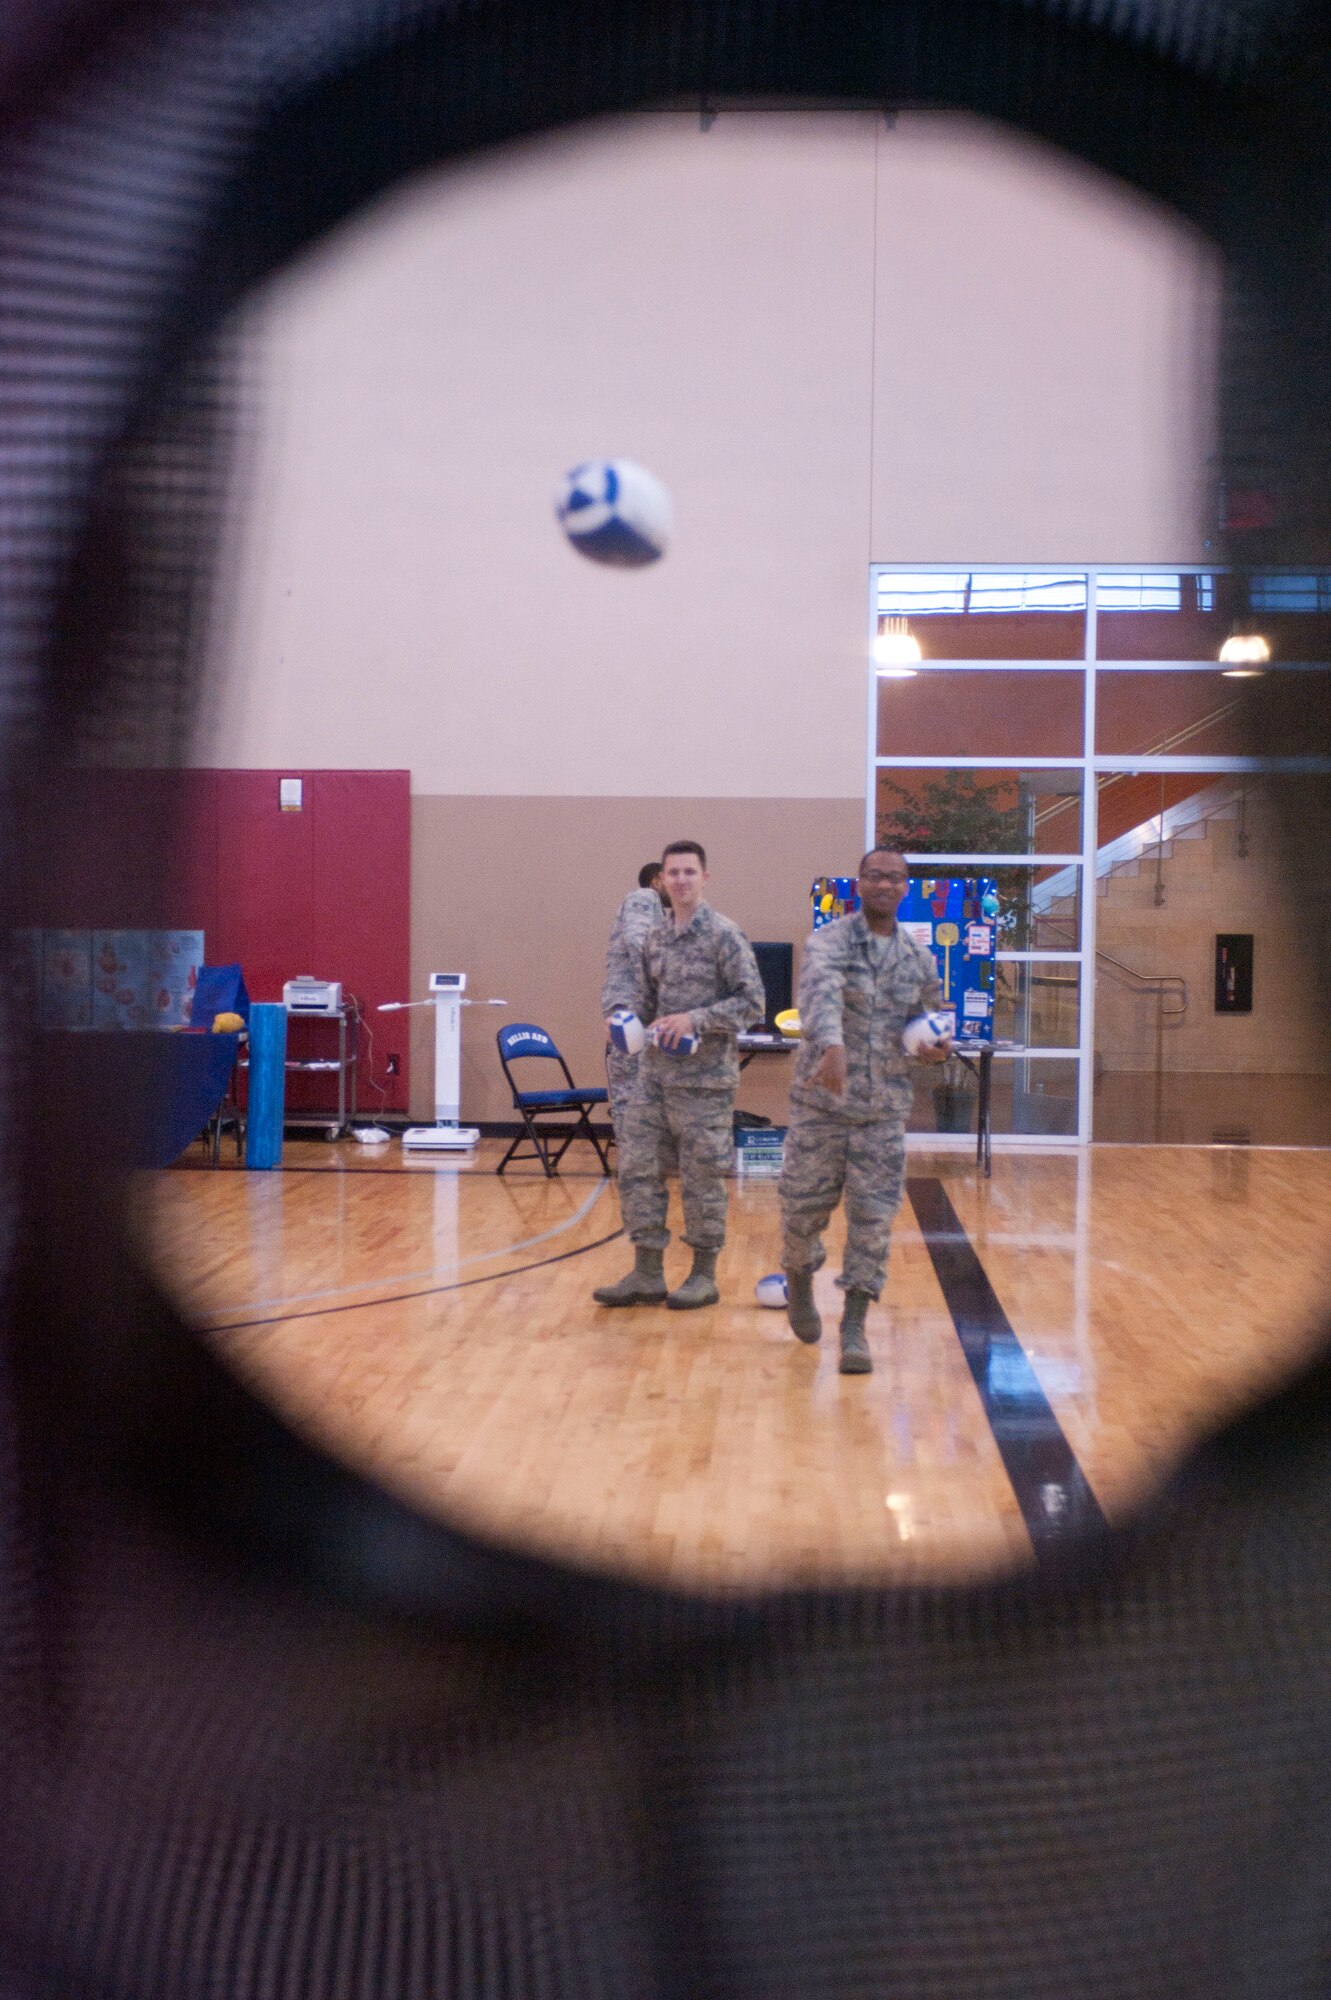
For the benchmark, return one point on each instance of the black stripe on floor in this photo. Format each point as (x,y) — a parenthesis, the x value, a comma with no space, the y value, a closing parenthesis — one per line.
(402,1298)
(1051,1488)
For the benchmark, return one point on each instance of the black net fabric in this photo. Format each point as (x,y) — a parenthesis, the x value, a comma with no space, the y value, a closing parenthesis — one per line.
(266,1733)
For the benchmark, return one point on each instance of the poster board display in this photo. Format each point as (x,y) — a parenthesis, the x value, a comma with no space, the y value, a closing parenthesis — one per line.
(953,916)
(956,917)
(122,979)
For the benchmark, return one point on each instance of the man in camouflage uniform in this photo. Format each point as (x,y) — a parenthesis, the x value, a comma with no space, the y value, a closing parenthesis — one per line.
(696,976)
(641,910)
(862,979)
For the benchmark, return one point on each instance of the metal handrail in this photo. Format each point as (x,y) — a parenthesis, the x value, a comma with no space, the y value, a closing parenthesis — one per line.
(1164,748)
(1160,984)
(1185,735)
(1159,981)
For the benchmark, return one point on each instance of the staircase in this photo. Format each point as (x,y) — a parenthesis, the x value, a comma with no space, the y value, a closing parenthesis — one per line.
(1152,842)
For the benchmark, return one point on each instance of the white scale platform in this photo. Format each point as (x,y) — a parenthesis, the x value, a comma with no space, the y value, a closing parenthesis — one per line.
(447,997)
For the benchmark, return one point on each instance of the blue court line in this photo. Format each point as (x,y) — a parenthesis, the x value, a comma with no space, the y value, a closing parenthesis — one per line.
(1052,1491)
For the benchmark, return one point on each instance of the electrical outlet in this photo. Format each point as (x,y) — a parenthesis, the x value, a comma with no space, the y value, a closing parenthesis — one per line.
(393,1063)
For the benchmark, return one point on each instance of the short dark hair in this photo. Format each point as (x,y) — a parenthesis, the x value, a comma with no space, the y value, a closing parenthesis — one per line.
(648,873)
(686,847)
(880,850)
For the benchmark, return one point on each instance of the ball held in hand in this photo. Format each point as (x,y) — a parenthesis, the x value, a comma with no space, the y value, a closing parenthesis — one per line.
(627,1033)
(926,1031)
(687,1045)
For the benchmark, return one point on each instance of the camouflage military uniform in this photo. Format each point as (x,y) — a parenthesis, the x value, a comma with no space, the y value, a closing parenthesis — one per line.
(640,911)
(858,990)
(680,1114)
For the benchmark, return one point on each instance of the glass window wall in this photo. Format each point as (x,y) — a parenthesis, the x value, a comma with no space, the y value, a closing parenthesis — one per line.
(1036,1004)
(1032,1097)
(1207,713)
(989,614)
(982,712)
(1087,717)
(993,810)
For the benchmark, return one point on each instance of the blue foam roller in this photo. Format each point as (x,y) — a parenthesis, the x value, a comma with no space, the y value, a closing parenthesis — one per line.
(266,1107)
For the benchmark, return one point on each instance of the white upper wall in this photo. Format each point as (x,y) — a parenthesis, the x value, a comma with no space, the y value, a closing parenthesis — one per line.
(835,342)
(1045,381)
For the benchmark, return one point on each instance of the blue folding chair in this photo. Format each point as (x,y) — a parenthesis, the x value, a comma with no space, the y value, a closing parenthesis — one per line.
(219,989)
(551,1119)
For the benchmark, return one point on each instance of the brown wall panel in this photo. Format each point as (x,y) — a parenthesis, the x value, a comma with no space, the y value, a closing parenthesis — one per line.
(519,893)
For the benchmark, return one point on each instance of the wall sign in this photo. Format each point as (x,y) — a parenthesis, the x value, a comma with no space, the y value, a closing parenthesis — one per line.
(1233,972)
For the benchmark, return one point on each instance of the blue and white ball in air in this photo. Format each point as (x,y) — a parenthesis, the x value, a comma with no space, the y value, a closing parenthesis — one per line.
(926,1031)
(615,512)
(771,1291)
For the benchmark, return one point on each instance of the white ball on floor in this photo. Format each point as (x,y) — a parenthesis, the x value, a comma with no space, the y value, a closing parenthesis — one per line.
(771,1291)
(926,1031)
(615,512)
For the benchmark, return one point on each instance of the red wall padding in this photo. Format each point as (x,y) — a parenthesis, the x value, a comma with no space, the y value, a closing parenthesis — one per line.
(326,890)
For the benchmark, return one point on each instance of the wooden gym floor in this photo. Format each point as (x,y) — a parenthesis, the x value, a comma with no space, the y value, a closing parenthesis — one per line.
(1048,1344)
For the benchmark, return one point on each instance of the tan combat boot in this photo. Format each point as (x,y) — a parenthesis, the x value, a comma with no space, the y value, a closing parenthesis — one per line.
(645,1284)
(855,1356)
(699,1288)
(800,1308)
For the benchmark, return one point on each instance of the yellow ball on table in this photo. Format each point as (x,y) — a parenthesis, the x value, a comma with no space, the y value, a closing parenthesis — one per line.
(227,1024)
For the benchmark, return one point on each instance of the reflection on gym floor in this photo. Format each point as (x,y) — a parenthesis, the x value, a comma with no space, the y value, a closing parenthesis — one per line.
(434,1325)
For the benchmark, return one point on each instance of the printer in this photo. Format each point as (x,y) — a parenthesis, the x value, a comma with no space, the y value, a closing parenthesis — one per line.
(307,995)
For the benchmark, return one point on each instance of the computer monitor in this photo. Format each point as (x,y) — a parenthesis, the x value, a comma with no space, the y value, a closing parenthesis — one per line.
(776,963)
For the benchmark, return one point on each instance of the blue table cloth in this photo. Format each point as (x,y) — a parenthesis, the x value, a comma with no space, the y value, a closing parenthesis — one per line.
(190,1075)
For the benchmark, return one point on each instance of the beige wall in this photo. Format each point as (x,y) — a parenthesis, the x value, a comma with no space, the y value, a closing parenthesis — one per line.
(703,304)
(1045,359)
(755,312)
(521,891)
(835,341)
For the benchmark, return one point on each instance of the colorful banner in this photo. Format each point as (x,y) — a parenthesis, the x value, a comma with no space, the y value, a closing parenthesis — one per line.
(834,896)
(956,917)
(109,979)
(953,916)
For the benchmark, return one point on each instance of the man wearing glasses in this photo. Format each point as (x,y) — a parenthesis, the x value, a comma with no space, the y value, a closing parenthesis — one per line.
(861,981)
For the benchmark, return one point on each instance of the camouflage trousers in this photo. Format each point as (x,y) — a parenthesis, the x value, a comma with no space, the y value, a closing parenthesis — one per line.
(826,1158)
(621,1073)
(663,1131)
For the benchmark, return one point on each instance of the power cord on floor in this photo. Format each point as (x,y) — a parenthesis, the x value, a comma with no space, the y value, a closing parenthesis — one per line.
(369,1134)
